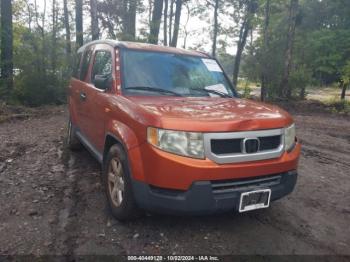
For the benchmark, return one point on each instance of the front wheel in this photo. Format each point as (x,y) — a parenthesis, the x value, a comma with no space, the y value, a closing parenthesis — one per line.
(118,186)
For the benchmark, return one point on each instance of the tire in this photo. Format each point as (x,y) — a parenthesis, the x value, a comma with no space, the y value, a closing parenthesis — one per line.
(72,140)
(117,182)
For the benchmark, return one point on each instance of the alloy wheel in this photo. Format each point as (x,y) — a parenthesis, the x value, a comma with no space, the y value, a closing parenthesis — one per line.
(116,181)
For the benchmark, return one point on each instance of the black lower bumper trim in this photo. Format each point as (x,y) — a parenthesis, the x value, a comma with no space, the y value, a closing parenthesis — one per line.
(201,199)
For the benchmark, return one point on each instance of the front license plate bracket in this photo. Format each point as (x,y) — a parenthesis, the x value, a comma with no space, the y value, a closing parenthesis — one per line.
(253,200)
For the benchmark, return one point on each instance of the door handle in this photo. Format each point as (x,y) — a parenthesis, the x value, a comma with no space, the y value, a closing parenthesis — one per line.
(82,96)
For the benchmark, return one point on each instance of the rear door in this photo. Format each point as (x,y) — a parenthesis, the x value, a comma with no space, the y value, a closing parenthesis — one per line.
(73,92)
(81,93)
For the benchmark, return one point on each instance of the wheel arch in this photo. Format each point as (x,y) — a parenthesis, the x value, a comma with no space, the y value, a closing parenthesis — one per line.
(111,140)
(124,135)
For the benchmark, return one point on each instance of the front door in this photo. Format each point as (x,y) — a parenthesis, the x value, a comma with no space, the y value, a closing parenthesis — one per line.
(102,66)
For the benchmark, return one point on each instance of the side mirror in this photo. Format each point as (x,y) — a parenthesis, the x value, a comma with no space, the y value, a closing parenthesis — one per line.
(103,82)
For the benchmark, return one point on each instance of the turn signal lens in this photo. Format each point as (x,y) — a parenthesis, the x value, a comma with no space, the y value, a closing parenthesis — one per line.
(152,136)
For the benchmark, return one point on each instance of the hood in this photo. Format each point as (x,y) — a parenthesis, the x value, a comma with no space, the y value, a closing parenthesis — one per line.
(212,114)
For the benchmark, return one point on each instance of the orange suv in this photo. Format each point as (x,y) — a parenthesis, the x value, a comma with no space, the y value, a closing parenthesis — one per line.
(171,134)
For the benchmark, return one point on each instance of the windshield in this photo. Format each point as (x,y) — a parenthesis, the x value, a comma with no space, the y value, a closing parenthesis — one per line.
(156,74)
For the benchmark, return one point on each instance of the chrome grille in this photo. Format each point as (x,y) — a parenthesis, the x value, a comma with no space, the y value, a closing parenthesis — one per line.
(234,146)
(228,147)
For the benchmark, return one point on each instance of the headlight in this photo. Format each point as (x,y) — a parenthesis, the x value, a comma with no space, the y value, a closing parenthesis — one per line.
(289,137)
(178,142)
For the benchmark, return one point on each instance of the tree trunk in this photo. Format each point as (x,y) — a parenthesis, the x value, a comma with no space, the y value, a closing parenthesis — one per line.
(240,47)
(150,8)
(40,47)
(171,15)
(44,46)
(6,47)
(29,10)
(107,23)
(125,20)
(165,24)
(132,19)
(343,91)
(176,23)
(79,23)
(66,25)
(155,22)
(185,25)
(285,91)
(53,48)
(129,19)
(94,20)
(264,64)
(215,29)
(244,31)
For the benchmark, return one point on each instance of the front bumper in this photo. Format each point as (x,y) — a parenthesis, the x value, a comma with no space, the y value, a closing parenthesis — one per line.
(207,197)
(165,170)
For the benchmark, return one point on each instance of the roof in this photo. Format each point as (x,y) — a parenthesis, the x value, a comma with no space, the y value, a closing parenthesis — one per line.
(145,47)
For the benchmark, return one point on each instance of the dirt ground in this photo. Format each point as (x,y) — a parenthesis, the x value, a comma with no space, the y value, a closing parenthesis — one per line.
(52,202)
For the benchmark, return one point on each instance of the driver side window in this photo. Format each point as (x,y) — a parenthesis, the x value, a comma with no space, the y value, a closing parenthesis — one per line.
(102,64)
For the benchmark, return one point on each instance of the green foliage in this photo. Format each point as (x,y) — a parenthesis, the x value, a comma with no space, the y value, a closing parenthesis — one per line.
(321,53)
(225,59)
(41,66)
(2,89)
(345,74)
(34,89)
(299,79)
(326,52)
(246,91)
(321,46)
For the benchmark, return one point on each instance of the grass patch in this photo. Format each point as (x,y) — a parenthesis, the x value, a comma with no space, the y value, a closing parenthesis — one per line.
(338,106)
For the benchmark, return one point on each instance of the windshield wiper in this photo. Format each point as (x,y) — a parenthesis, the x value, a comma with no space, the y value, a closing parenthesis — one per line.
(153,89)
(213,92)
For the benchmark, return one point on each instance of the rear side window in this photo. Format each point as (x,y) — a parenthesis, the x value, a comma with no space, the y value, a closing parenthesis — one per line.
(76,69)
(85,64)
(102,64)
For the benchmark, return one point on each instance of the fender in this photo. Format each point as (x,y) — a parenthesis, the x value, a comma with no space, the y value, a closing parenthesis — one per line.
(127,138)
(122,133)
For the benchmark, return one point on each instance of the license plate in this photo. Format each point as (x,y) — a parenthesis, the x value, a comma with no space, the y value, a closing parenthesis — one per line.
(254,200)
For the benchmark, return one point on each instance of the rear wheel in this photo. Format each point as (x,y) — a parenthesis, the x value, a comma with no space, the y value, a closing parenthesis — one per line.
(118,186)
(72,140)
